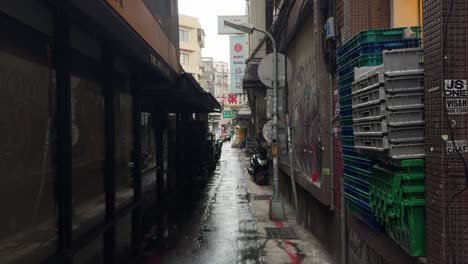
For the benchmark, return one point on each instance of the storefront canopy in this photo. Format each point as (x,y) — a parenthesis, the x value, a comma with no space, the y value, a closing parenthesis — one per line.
(185,95)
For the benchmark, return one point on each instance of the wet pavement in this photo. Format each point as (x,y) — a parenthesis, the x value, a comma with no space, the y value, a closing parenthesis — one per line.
(220,226)
(222,223)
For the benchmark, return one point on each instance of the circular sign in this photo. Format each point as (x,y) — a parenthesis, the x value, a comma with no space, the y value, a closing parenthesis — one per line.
(265,70)
(238,47)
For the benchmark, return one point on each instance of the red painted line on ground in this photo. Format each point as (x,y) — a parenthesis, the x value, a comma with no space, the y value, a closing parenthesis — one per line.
(278,223)
(292,254)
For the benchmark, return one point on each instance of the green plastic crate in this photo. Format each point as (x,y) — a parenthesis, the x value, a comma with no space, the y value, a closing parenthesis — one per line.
(389,190)
(410,233)
(375,35)
(361,61)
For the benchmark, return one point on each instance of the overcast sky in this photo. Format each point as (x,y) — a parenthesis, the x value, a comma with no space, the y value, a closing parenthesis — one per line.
(207,11)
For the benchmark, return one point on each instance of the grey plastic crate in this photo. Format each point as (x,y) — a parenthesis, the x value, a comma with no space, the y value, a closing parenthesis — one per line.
(376,128)
(369,113)
(405,117)
(371,143)
(404,101)
(369,83)
(364,72)
(403,84)
(403,61)
(398,134)
(410,150)
(374,96)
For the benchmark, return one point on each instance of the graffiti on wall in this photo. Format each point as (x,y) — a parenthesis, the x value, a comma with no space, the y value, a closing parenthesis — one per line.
(308,150)
(357,249)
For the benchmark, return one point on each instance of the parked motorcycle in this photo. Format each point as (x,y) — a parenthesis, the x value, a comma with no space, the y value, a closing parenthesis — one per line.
(218,149)
(258,168)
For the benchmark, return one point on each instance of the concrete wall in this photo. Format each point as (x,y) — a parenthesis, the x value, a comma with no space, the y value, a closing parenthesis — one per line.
(257,18)
(308,99)
(323,223)
(406,13)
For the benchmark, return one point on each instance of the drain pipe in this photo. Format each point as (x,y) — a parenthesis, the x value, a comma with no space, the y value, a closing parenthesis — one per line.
(343,223)
(332,180)
(291,170)
(332,147)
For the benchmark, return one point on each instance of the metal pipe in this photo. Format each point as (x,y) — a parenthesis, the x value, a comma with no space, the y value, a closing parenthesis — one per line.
(343,223)
(332,148)
(291,171)
(277,203)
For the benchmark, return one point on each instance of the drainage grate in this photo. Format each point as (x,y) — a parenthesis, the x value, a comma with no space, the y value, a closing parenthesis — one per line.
(261,197)
(280,233)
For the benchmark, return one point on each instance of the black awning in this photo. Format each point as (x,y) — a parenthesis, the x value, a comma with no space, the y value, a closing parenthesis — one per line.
(185,95)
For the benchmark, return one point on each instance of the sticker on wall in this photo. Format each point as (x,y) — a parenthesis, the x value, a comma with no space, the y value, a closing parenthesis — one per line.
(455,97)
(460,146)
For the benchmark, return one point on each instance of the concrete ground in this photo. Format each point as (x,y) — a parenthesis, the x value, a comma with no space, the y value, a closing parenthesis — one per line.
(305,249)
(226,224)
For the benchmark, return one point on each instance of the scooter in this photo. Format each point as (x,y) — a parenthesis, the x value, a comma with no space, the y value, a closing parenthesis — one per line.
(258,168)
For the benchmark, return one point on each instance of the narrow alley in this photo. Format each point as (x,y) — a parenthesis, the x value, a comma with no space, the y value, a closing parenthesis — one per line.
(226,224)
(234,131)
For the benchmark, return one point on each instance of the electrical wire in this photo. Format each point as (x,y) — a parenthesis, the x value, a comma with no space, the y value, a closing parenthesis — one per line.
(451,134)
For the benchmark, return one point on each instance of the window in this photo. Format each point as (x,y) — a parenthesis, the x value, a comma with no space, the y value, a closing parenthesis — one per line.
(184,58)
(183,35)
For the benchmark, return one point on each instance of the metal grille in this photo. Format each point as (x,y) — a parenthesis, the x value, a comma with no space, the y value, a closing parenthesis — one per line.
(280,233)
(261,197)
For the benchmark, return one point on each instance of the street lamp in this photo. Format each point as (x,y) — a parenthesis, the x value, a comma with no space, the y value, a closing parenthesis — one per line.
(277,202)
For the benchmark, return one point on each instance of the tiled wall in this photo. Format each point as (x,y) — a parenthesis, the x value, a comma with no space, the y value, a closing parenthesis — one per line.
(447,226)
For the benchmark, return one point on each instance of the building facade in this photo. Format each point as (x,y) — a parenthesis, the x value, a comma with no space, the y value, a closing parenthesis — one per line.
(209,74)
(96,93)
(221,78)
(315,101)
(191,43)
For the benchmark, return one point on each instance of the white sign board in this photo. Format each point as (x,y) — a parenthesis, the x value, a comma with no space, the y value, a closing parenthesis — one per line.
(455,96)
(460,145)
(225,30)
(237,66)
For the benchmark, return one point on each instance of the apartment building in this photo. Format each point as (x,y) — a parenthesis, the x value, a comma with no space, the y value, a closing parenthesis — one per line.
(191,43)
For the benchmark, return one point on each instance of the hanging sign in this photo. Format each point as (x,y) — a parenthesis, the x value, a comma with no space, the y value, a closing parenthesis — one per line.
(228,114)
(237,66)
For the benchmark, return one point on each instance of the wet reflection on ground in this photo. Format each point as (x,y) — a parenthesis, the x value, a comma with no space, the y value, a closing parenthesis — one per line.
(216,224)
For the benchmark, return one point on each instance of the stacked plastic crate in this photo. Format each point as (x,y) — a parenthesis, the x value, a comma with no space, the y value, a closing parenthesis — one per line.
(364,49)
(397,197)
(388,109)
(388,106)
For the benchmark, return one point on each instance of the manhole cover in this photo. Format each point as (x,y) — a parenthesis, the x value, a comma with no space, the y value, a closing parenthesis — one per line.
(280,233)
(261,197)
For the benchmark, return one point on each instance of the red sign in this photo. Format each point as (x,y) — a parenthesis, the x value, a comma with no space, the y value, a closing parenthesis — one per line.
(238,47)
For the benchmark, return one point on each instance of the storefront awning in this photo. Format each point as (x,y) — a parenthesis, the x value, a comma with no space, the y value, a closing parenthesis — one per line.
(185,95)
